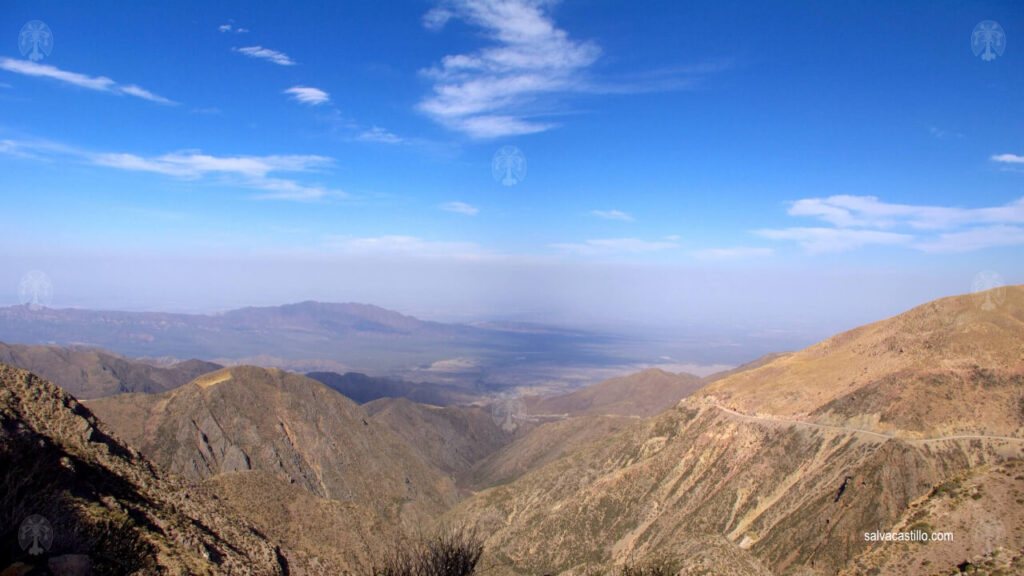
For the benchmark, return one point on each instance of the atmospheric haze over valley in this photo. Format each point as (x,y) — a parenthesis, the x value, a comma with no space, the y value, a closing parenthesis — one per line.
(512,288)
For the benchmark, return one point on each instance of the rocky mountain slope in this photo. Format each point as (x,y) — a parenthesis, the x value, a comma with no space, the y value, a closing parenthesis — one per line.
(644,393)
(289,426)
(104,508)
(92,372)
(790,463)
(452,438)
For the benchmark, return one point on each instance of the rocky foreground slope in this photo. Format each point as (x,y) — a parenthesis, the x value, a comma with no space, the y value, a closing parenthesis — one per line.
(786,466)
(103,507)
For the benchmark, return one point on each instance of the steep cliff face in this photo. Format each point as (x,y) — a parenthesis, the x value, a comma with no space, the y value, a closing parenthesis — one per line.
(292,427)
(790,462)
(105,506)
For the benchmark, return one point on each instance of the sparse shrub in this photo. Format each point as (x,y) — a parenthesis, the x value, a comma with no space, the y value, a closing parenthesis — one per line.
(451,552)
(656,566)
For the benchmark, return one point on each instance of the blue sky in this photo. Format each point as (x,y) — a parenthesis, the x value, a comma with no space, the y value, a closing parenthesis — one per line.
(775,165)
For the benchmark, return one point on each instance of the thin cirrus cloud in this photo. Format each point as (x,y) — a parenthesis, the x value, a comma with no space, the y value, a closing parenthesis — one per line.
(97,83)
(613,246)
(260,173)
(823,240)
(858,221)
(485,93)
(460,208)
(505,88)
(308,95)
(279,58)
(612,215)
(250,171)
(734,253)
(404,246)
(378,134)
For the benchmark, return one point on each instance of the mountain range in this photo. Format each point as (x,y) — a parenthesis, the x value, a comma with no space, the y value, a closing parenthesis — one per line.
(316,336)
(784,466)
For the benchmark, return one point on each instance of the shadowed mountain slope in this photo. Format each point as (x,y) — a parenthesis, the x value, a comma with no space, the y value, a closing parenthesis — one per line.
(453,438)
(363,388)
(106,505)
(91,372)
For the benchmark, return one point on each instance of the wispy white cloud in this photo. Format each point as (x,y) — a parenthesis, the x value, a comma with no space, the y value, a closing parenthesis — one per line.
(509,87)
(404,246)
(612,215)
(308,95)
(613,246)
(194,164)
(97,83)
(974,239)
(140,92)
(485,93)
(267,54)
(870,212)
(734,253)
(859,221)
(252,172)
(17,149)
(378,134)
(460,208)
(229,27)
(823,240)
(1008,158)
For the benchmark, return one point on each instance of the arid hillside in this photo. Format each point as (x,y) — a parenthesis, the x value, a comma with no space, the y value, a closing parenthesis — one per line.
(793,461)
(289,426)
(93,372)
(644,393)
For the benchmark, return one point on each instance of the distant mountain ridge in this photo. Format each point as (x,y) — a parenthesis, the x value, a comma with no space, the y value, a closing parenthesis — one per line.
(360,336)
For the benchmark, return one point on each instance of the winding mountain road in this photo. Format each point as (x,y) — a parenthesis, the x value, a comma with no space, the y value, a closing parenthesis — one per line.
(870,433)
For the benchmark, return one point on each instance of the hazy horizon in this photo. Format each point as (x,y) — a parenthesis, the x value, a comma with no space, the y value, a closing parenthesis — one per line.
(718,167)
